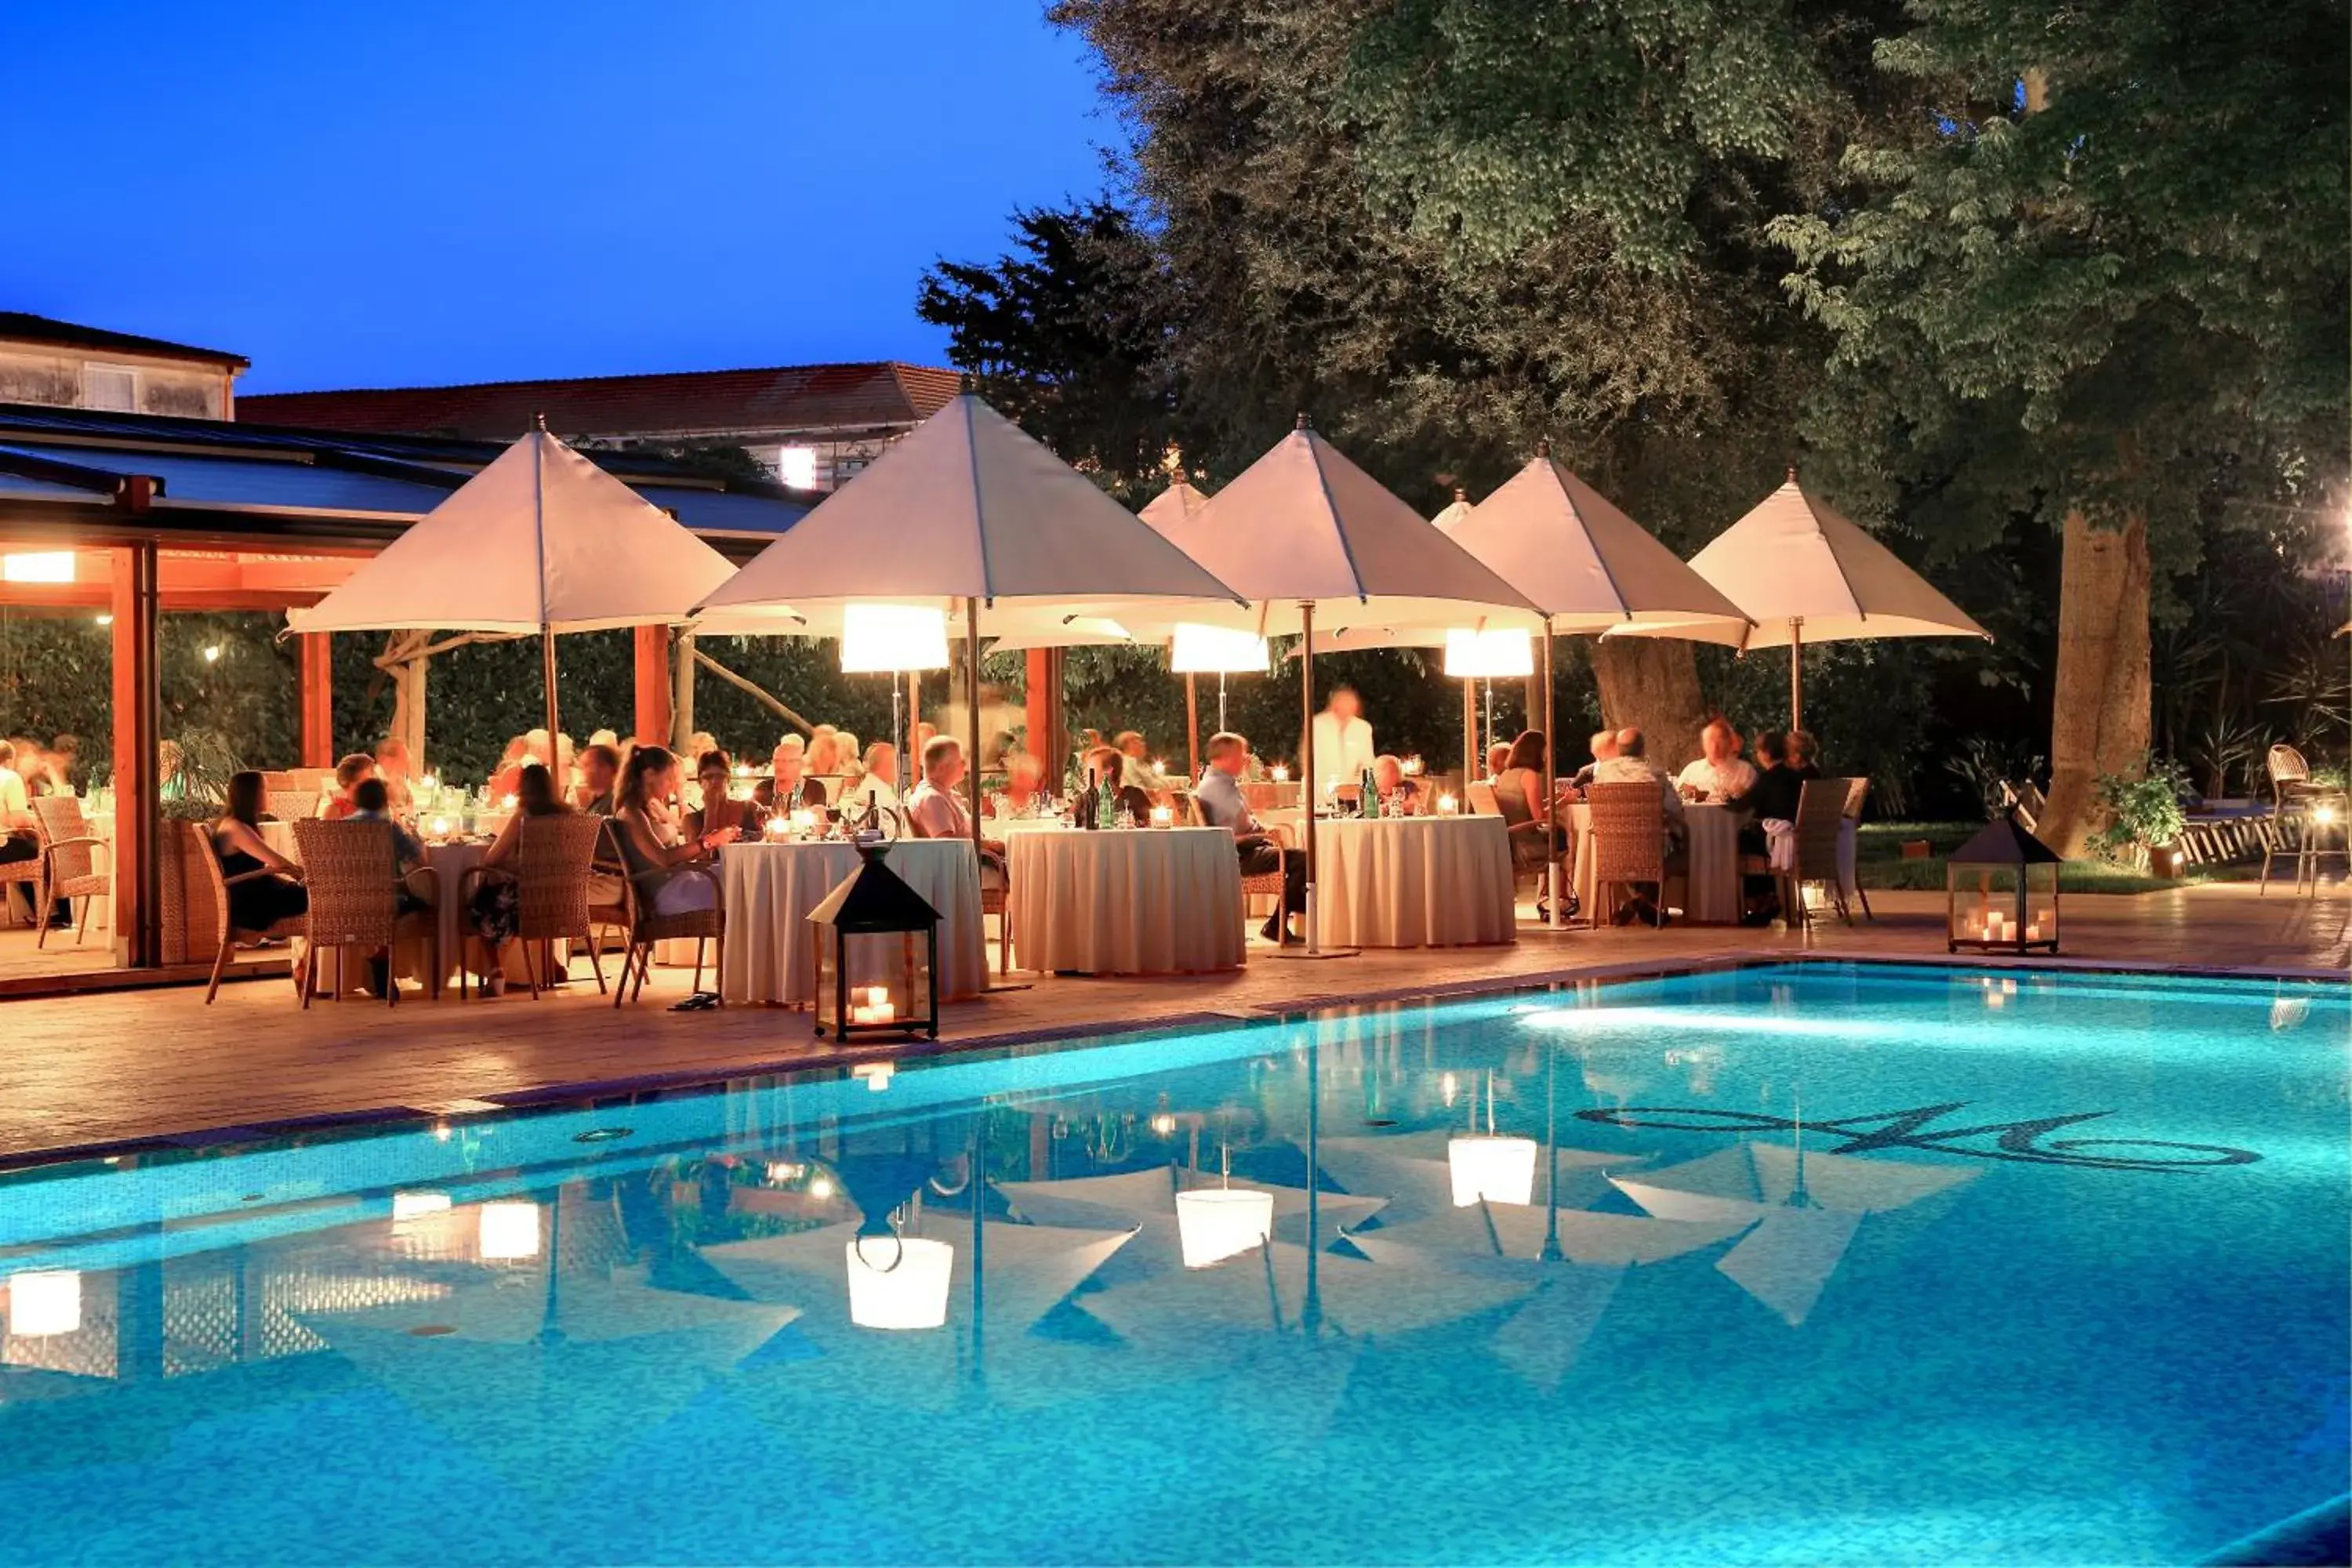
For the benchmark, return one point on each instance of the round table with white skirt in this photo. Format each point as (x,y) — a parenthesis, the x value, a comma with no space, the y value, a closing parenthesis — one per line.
(1414,882)
(1711,894)
(768,890)
(1141,900)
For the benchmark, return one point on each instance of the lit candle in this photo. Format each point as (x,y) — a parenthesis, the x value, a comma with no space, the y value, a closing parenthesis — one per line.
(1162,816)
(440,827)
(804,821)
(1447,806)
(1281,773)
(506,803)
(1157,767)
(2033,932)
(876,996)
(1412,765)
(742,769)
(778,827)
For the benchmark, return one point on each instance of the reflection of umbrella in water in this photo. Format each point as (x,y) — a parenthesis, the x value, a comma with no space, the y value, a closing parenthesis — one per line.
(505,1361)
(1147,1199)
(1805,1209)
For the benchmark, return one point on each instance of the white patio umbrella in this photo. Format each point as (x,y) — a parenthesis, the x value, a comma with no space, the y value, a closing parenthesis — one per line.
(1169,511)
(1303,527)
(540,541)
(966,512)
(1803,574)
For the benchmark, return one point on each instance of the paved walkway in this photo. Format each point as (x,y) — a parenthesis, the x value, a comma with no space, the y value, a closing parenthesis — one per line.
(152,1064)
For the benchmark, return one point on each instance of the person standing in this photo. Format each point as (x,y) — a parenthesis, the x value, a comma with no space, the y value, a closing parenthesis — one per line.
(1343,741)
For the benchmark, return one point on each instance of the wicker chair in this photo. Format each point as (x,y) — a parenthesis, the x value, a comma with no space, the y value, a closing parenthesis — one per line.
(28,872)
(1255,884)
(292,804)
(201,840)
(1821,808)
(554,857)
(69,865)
(354,898)
(1629,843)
(1857,796)
(647,929)
(2290,776)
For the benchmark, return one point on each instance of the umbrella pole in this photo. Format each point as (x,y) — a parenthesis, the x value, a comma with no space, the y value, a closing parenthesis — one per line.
(1192,724)
(547,674)
(1546,811)
(1221,725)
(972,694)
(1306,762)
(1469,735)
(1797,673)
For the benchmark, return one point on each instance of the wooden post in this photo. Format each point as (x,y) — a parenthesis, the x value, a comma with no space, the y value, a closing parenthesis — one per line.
(1191,726)
(681,707)
(651,682)
(138,822)
(318,687)
(1042,710)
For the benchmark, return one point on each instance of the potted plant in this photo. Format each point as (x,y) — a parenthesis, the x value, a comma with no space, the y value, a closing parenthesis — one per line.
(2144,819)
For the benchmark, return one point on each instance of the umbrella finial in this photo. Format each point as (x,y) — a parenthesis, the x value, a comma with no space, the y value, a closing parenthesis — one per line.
(1460,494)
(1303,423)
(963,384)
(539,421)
(1792,473)
(1543,445)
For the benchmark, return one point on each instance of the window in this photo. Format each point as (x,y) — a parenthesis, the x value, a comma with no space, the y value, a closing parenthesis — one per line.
(110,387)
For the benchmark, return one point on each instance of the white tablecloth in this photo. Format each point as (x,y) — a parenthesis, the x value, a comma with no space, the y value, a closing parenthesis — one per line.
(1144,900)
(1711,894)
(1415,881)
(769,890)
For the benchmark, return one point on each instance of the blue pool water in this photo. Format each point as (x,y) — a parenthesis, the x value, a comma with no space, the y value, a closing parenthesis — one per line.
(1804,1264)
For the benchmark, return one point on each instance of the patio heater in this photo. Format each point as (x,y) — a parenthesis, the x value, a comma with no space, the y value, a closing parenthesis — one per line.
(2001,891)
(1198,650)
(895,639)
(1483,653)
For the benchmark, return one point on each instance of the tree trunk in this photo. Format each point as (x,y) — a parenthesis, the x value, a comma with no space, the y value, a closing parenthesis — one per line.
(1652,684)
(2100,703)
(682,654)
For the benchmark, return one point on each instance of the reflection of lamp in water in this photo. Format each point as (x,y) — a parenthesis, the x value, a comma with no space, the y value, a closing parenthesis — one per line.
(509,1230)
(904,1286)
(416,1205)
(1495,1167)
(44,1301)
(1216,1222)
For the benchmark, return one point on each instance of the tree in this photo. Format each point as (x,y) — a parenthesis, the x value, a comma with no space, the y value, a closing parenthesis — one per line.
(2103,283)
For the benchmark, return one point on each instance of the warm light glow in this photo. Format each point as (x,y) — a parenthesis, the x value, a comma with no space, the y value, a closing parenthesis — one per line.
(1216,1222)
(1163,1124)
(876,639)
(1448,1087)
(416,1205)
(1496,1167)
(897,1282)
(1215,650)
(506,803)
(820,1187)
(106,620)
(509,1230)
(1162,816)
(804,821)
(1281,773)
(440,827)
(1503,650)
(41,566)
(212,653)
(1447,806)
(875,1075)
(43,1303)
(796,468)
(2323,814)
(1411,766)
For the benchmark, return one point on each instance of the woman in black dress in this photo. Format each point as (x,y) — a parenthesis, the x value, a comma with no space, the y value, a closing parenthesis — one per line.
(258,904)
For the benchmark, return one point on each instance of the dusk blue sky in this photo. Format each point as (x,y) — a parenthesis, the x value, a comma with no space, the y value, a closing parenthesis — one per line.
(437,192)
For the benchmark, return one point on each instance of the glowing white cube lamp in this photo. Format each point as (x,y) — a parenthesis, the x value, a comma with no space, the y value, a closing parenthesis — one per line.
(416,1205)
(509,1230)
(1213,1224)
(1215,650)
(1496,1167)
(1501,651)
(44,1301)
(38,566)
(876,639)
(899,1282)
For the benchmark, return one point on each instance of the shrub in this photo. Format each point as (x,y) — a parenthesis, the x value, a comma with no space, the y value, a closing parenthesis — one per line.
(2142,809)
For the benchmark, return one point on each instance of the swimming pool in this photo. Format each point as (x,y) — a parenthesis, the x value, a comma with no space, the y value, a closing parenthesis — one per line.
(1815,1263)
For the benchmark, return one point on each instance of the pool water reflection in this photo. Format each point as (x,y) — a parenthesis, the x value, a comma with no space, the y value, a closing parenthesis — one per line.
(1818,1263)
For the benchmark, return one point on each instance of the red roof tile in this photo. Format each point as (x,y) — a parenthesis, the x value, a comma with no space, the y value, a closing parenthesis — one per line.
(680,402)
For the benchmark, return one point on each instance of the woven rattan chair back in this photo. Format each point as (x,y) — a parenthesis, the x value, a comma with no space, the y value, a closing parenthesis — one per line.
(348,868)
(553,856)
(292,804)
(1857,794)
(1629,833)
(71,847)
(1821,808)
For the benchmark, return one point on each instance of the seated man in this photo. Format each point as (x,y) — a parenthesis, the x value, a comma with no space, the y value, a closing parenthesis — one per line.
(349,775)
(1400,795)
(1498,757)
(1631,765)
(600,767)
(1604,746)
(788,787)
(1135,762)
(1218,797)
(936,809)
(1719,775)
(370,800)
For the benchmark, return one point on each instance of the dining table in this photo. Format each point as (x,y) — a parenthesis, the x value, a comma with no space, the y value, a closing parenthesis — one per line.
(1414,882)
(766,887)
(450,859)
(1130,901)
(1707,891)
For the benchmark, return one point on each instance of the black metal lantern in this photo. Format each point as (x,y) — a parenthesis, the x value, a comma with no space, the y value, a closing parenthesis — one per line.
(2001,891)
(878,954)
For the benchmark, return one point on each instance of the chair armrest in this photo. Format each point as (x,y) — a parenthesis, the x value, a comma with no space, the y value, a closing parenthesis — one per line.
(431,874)
(242,877)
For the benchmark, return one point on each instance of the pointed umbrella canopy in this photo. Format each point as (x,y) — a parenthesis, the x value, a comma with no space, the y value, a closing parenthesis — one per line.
(540,541)
(1169,511)
(1803,574)
(1302,528)
(1455,511)
(965,508)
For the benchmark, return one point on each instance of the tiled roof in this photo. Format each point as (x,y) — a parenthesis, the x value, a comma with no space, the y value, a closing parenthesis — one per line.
(21,327)
(682,403)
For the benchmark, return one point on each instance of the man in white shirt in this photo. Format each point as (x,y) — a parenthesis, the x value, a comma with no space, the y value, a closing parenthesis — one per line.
(939,811)
(1218,797)
(1631,765)
(1720,773)
(22,841)
(1343,740)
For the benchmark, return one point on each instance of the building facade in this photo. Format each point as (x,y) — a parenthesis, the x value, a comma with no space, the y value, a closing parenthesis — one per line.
(63,366)
(810,428)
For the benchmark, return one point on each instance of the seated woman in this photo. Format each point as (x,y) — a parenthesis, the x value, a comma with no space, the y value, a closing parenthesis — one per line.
(1400,795)
(720,808)
(506,779)
(496,905)
(262,902)
(358,765)
(1025,779)
(672,877)
(873,784)
(1106,767)
(1519,785)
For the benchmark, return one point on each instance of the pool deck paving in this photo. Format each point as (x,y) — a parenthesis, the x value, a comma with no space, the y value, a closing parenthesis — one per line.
(159,1065)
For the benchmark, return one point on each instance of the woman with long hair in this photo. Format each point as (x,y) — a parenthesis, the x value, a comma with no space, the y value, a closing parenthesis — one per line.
(497,906)
(258,904)
(720,808)
(1518,786)
(666,870)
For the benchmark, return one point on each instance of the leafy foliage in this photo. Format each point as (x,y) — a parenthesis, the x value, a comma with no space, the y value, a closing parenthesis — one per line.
(2143,810)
